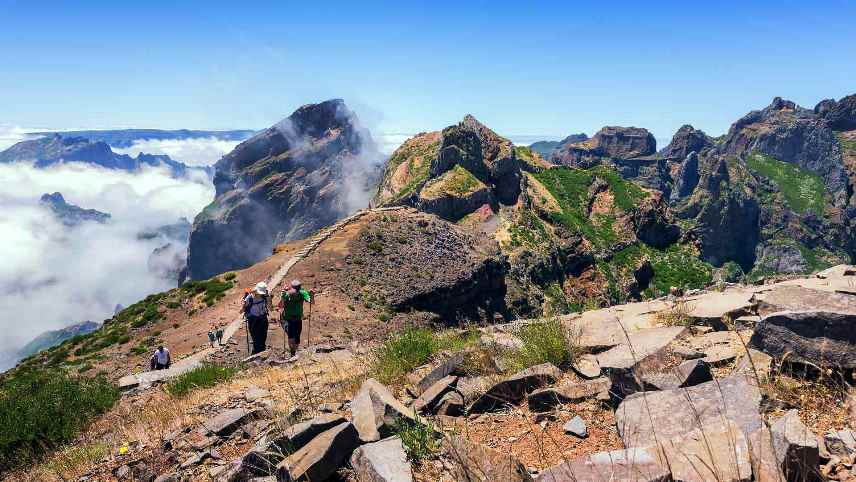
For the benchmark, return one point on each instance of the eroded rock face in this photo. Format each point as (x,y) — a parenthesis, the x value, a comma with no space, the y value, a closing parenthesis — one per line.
(820,338)
(840,115)
(688,139)
(610,142)
(287,181)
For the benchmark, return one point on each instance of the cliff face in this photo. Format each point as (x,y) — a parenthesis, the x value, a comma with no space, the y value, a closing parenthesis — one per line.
(300,175)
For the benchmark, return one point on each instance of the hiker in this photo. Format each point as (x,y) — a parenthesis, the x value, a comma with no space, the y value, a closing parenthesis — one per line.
(161,359)
(256,308)
(219,334)
(212,336)
(215,334)
(291,304)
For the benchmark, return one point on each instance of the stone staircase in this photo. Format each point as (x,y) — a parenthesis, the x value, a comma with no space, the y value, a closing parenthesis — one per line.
(146,379)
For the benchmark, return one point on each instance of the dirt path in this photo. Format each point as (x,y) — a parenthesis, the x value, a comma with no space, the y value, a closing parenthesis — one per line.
(237,326)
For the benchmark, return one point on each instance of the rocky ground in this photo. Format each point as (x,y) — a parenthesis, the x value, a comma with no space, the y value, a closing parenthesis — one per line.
(742,383)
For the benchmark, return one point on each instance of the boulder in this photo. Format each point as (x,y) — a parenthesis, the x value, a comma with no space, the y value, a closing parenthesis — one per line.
(821,338)
(431,397)
(643,418)
(298,435)
(375,411)
(228,421)
(474,462)
(513,389)
(687,374)
(796,448)
(586,366)
(444,369)
(799,298)
(321,457)
(576,426)
(621,363)
(473,387)
(717,450)
(451,405)
(755,364)
(383,461)
(631,465)
(545,399)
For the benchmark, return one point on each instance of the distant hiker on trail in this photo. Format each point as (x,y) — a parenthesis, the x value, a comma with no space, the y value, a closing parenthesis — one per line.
(291,304)
(161,359)
(215,334)
(256,307)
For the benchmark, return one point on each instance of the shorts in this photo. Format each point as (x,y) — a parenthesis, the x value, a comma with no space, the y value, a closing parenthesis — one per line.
(293,328)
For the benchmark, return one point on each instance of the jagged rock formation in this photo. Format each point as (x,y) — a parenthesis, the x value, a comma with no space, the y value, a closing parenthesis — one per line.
(285,182)
(841,115)
(69,214)
(609,142)
(53,149)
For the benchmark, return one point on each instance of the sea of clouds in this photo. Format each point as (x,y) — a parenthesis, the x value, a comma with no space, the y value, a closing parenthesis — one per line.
(52,275)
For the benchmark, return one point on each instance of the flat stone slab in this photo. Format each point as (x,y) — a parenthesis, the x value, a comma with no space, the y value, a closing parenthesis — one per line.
(687,374)
(375,411)
(302,433)
(713,306)
(382,461)
(228,421)
(321,457)
(474,462)
(716,451)
(645,348)
(643,418)
(431,397)
(629,465)
(798,298)
(587,366)
(605,328)
(821,338)
(545,399)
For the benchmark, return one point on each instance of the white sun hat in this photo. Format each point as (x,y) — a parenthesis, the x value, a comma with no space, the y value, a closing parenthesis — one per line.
(261,288)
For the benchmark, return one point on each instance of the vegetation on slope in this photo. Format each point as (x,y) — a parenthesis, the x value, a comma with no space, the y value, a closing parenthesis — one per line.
(456,182)
(803,190)
(418,156)
(570,188)
(677,265)
(42,410)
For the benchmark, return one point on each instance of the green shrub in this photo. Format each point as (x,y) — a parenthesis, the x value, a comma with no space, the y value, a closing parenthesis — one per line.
(173,305)
(205,375)
(803,189)
(401,353)
(230,276)
(419,439)
(544,342)
(41,410)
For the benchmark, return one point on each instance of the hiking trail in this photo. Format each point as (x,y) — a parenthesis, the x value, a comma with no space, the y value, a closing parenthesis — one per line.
(148,378)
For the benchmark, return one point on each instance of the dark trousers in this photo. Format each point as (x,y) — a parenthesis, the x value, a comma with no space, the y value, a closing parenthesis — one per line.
(258,331)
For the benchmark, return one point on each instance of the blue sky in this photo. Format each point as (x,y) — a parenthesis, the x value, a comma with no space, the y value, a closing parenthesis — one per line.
(536,68)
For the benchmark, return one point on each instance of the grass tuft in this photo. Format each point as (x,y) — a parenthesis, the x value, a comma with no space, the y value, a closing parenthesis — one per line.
(419,439)
(544,342)
(206,375)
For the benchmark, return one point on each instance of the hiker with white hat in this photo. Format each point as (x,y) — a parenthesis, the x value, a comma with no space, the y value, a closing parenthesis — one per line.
(291,304)
(256,307)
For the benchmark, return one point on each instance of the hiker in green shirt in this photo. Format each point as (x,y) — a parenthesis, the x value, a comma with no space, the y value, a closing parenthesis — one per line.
(291,304)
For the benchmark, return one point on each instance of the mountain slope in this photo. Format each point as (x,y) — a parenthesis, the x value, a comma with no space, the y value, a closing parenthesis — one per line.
(124,138)
(287,181)
(69,214)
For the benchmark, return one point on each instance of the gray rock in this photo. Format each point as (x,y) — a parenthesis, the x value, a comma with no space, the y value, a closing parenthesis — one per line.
(167,478)
(796,448)
(474,462)
(687,374)
(444,369)
(451,405)
(629,465)
(383,461)
(228,421)
(122,472)
(799,298)
(375,411)
(586,366)
(302,433)
(513,390)
(755,364)
(331,407)
(841,443)
(429,399)
(194,460)
(546,399)
(620,363)
(321,457)
(825,339)
(717,450)
(576,426)
(643,418)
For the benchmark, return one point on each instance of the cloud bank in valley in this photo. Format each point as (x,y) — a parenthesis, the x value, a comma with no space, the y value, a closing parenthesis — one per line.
(53,276)
(197,151)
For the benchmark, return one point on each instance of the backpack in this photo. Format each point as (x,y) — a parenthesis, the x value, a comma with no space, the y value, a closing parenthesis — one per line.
(250,301)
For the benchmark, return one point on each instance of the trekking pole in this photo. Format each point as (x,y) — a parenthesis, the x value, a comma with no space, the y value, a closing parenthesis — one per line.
(309,328)
(247,329)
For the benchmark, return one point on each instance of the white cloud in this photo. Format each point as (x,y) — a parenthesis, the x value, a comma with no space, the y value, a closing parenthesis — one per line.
(52,276)
(197,151)
(11,135)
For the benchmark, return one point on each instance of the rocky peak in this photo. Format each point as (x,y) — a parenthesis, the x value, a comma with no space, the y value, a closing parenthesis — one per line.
(300,175)
(611,142)
(686,140)
(69,214)
(841,115)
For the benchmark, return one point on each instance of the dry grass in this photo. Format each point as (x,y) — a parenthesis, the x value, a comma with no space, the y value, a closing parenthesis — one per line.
(677,315)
